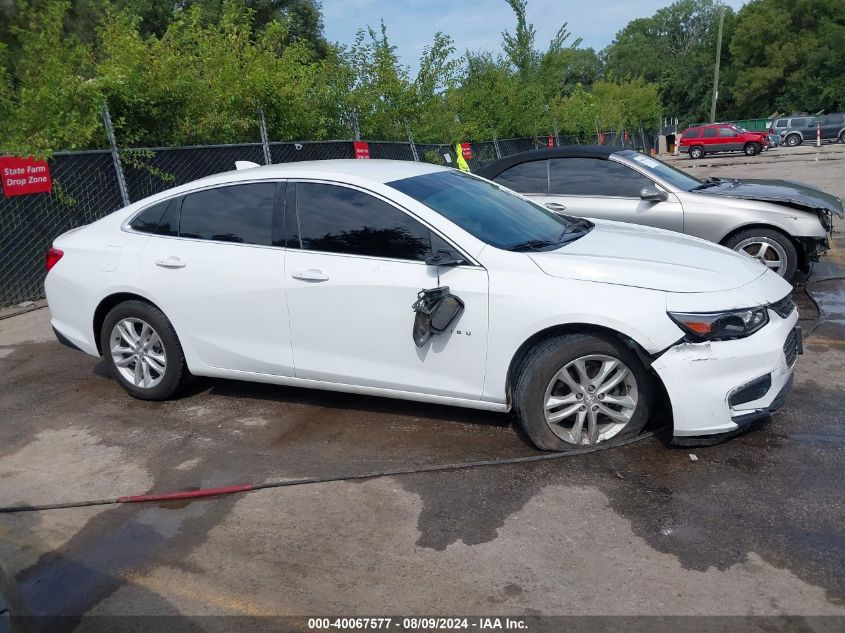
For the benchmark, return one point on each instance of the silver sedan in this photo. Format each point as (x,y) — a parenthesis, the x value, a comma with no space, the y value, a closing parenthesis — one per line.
(783,224)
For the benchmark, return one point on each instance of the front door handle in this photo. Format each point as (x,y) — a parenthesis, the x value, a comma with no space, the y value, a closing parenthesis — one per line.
(171,262)
(556,206)
(312,274)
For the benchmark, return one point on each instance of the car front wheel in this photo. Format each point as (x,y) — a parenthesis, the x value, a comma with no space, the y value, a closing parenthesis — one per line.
(579,390)
(696,152)
(772,249)
(793,140)
(752,149)
(142,351)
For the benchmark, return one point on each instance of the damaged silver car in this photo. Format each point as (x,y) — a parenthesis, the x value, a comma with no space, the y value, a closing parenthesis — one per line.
(783,224)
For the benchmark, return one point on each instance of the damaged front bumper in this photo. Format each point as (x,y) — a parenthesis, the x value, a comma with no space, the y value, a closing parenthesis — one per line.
(717,388)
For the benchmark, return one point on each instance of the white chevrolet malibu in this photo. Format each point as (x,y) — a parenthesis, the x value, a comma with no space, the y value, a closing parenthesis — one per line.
(419,282)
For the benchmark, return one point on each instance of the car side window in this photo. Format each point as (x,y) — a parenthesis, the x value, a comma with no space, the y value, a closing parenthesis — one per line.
(338,219)
(530,177)
(726,132)
(709,132)
(594,177)
(781,123)
(235,213)
(692,132)
(149,218)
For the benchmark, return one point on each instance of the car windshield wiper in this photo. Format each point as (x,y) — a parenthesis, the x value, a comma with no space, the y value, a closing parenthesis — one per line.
(529,245)
(707,184)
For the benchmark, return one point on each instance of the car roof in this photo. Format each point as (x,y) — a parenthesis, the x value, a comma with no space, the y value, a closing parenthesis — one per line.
(374,170)
(602,152)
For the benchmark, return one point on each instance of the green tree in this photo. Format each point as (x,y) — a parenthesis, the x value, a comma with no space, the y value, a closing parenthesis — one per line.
(676,48)
(801,67)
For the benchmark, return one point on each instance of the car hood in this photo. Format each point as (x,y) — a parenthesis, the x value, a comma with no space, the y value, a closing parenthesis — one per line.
(642,257)
(788,192)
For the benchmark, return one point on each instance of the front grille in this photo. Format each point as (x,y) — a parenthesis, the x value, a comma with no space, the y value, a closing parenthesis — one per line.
(784,307)
(790,348)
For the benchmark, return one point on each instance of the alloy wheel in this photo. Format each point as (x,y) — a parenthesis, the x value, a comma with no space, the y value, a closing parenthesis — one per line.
(590,399)
(138,353)
(766,250)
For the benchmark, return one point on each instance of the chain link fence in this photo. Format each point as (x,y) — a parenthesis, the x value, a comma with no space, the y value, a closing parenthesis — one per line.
(86,186)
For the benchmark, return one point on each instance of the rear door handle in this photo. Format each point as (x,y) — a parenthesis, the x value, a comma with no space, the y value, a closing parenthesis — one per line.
(171,262)
(556,206)
(312,274)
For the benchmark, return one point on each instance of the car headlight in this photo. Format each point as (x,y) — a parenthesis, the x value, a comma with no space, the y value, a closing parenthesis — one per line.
(721,326)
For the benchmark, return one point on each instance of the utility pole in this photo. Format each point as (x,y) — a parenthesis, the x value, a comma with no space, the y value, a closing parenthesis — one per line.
(718,59)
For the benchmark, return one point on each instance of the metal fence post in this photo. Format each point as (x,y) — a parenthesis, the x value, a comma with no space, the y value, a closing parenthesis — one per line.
(115,155)
(265,142)
(411,143)
(557,138)
(355,127)
(496,146)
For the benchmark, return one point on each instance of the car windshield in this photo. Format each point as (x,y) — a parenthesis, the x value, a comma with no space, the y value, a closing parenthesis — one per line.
(659,169)
(490,213)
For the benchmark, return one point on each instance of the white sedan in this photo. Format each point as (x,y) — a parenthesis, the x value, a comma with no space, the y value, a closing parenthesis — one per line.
(413,281)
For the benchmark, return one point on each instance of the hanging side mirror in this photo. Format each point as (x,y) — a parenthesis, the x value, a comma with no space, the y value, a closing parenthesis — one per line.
(436,310)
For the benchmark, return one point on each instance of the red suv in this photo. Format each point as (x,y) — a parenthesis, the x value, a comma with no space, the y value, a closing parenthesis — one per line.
(701,140)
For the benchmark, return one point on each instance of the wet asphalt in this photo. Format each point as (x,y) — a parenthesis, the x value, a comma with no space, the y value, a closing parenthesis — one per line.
(752,526)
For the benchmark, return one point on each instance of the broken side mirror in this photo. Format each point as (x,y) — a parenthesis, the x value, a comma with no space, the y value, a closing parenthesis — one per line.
(436,310)
(444,258)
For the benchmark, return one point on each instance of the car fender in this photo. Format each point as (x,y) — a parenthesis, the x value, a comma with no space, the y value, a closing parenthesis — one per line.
(568,306)
(715,218)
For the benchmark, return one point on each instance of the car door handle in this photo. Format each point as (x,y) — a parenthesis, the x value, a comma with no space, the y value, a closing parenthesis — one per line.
(171,262)
(556,206)
(312,274)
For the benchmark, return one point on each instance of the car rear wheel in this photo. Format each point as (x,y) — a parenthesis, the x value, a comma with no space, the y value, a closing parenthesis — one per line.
(793,140)
(579,390)
(142,351)
(773,249)
(842,137)
(697,152)
(752,149)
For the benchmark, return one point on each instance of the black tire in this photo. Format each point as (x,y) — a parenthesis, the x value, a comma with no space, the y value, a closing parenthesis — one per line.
(769,234)
(546,359)
(842,137)
(697,152)
(793,140)
(176,369)
(752,149)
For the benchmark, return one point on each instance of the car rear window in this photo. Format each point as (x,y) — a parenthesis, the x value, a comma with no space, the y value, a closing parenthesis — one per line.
(530,177)
(237,213)
(149,218)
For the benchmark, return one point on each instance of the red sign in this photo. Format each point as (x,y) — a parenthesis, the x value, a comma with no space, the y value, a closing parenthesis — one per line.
(466,151)
(362,149)
(551,141)
(24,175)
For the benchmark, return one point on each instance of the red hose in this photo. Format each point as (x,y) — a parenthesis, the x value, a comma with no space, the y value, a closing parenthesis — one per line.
(186,494)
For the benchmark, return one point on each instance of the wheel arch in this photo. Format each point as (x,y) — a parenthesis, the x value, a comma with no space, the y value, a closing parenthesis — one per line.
(106,304)
(803,263)
(521,354)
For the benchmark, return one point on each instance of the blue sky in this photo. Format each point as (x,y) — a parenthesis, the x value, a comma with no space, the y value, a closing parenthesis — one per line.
(478,24)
